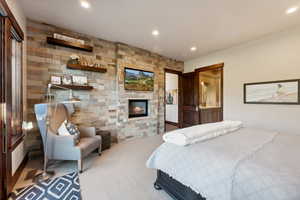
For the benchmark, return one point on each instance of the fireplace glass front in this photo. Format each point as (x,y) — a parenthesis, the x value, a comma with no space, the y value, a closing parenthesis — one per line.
(137,108)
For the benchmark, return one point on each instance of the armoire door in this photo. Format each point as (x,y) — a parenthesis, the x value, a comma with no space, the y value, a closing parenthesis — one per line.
(210,93)
(190,108)
(202,96)
(11,115)
(2,128)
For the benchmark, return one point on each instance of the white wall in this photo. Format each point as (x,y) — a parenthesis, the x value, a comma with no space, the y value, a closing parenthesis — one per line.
(19,153)
(274,57)
(171,110)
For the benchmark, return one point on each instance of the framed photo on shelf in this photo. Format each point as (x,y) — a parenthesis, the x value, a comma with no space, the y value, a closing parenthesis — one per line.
(80,80)
(55,80)
(67,80)
(273,92)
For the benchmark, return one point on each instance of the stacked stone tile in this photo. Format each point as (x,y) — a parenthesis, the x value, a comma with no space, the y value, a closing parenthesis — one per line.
(106,106)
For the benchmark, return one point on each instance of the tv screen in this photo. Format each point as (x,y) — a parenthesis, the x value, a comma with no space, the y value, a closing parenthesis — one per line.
(139,80)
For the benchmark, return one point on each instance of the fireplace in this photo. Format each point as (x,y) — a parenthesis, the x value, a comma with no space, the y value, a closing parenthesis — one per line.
(137,108)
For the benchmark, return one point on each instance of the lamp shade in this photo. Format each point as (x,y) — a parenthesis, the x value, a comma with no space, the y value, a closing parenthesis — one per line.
(27,125)
(71,100)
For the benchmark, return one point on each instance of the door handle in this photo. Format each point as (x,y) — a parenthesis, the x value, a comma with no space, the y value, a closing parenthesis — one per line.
(3,127)
(4,139)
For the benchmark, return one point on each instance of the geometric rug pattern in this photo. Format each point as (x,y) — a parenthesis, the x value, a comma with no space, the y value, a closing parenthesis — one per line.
(66,187)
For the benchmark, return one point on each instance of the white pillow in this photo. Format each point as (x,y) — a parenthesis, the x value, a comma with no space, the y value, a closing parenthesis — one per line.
(62,130)
(67,129)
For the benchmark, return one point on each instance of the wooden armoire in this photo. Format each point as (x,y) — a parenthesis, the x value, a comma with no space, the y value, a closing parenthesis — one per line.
(202,96)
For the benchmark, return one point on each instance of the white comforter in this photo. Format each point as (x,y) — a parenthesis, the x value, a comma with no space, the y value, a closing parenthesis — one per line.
(224,168)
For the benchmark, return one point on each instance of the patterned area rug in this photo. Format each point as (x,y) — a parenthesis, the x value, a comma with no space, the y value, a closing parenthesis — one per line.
(66,187)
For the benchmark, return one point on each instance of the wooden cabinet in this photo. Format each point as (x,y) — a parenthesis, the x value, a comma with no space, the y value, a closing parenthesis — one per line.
(211,115)
(11,58)
(199,105)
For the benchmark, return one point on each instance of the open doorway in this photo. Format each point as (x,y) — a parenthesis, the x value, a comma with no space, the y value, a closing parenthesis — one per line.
(172,100)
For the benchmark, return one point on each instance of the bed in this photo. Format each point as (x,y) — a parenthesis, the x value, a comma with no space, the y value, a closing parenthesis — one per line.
(174,188)
(246,164)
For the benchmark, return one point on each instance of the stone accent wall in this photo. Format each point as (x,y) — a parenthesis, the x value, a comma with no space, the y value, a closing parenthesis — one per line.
(131,57)
(106,106)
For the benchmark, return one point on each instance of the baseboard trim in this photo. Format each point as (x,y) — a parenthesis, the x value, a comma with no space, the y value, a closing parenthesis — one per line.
(172,123)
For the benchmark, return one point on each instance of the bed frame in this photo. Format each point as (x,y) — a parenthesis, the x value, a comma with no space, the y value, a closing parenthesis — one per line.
(175,189)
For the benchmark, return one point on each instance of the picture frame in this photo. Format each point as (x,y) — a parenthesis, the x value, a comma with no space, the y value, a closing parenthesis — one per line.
(79,80)
(171,97)
(285,92)
(138,80)
(67,80)
(56,80)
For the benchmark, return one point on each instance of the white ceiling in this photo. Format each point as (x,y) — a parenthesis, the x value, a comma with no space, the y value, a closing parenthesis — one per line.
(208,24)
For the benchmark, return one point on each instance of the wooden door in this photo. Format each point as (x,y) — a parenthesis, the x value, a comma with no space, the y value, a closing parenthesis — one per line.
(210,109)
(11,115)
(11,101)
(2,128)
(13,97)
(190,109)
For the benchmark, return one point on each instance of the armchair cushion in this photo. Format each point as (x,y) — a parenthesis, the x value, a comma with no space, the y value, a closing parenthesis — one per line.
(89,144)
(62,147)
(87,131)
(65,141)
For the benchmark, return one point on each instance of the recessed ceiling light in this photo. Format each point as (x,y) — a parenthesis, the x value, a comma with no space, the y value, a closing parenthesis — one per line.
(193,48)
(155,32)
(85,4)
(292,10)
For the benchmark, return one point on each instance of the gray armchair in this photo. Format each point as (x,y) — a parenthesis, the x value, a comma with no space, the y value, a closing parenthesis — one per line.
(65,147)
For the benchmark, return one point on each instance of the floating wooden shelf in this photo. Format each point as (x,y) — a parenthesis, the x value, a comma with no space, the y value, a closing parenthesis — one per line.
(87,68)
(73,87)
(74,45)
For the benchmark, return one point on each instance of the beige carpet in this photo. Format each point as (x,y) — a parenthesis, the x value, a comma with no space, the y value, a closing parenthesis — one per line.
(119,174)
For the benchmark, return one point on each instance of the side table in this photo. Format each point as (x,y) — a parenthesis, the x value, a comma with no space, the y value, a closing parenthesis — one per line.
(106,138)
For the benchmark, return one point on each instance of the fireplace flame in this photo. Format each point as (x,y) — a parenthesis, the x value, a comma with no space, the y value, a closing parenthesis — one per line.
(138,109)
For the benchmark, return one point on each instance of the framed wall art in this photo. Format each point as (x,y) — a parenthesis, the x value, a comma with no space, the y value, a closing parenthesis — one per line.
(67,80)
(79,80)
(273,92)
(172,97)
(138,80)
(55,80)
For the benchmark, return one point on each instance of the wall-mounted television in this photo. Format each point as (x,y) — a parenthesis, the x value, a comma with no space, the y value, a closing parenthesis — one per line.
(138,80)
